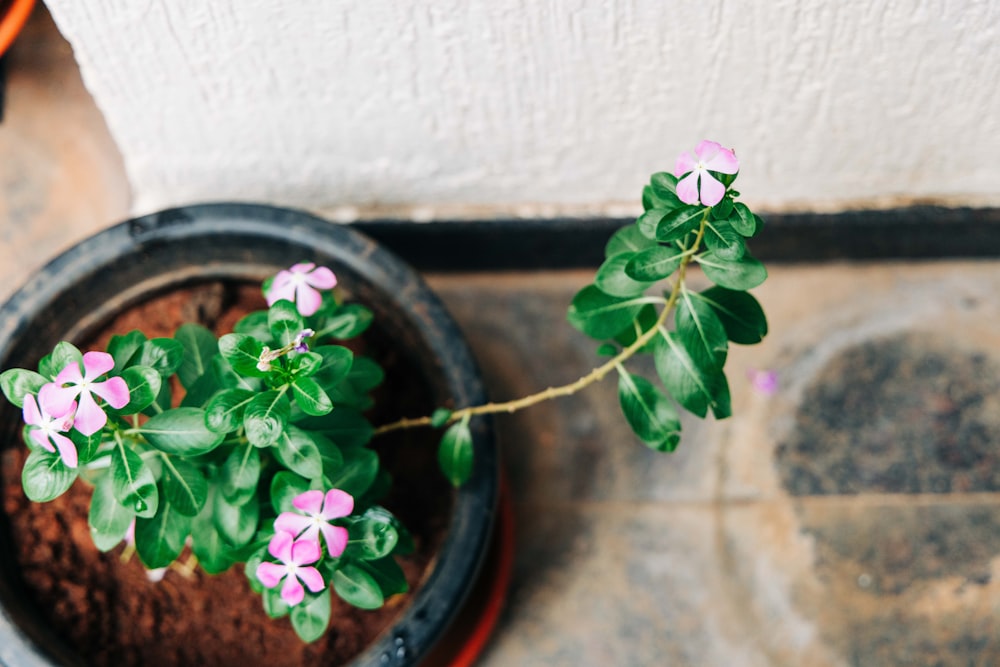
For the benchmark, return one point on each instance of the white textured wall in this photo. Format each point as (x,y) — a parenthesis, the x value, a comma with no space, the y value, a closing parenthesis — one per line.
(499,106)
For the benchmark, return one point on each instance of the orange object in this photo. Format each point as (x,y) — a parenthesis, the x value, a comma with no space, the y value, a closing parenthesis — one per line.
(12,22)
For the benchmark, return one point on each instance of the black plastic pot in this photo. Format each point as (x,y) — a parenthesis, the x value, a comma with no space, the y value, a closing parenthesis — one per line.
(78,292)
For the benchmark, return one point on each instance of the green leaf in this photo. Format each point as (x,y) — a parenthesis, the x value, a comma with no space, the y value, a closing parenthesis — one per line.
(181,431)
(336,364)
(355,586)
(387,574)
(243,353)
(62,356)
(724,241)
(744,274)
(349,321)
(648,222)
(285,486)
(224,413)
(310,618)
(164,355)
(628,239)
(679,223)
(254,324)
(601,315)
(207,544)
(701,332)
(199,346)
(440,417)
(239,474)
(612,279)
(654,264)
(740,313)
(108,519)
(742,220)
(455,453)
(123,348)
(16,383)
(721,402)
(274,606)
(691,386)
(203,389)
(236,523)
(359,469)
(160,539)
(645,321)
(310,397)
(664,186)
(143,387)
(404,544)
(649,412)
(45,477)
(344,426)
(265,417)
(370,539)
(132,482)
(297,451)
(305,364)
(164,400)
(723,209)
(184,485)
(365,374)
(284,322)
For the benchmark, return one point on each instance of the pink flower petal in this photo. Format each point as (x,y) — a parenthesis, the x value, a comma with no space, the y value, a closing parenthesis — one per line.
(270,574)
(307,300)
(685,164)
(302,267)
(97,364)
(687,188)
(336,504)
(292,523)
(292,592)
(89,417)
(39,436)
(724,162)
(70,374)
(57,401)
(309,501)
(67,450)
(706,150)
(712,190)
(282,287)
(322,278)
(336,539)
(311,577)
(305,552)
(113,390)
(31,414)
(280,547)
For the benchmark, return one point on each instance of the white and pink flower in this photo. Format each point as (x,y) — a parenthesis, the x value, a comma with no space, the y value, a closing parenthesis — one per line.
(295,567)
(317,509)
(697,184)
(299,285)
(49,431)
(59,397)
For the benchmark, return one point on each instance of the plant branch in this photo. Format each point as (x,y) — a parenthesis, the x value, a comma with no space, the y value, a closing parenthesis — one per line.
(590,378)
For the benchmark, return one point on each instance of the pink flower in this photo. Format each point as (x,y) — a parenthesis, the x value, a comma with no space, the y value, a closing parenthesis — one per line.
(709,156)
(299,284)
(49,430)
(293,554)
(57,398)
(763,382)
(318,509)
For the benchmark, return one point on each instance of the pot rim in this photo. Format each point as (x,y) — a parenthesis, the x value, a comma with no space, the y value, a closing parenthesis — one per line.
(293,234)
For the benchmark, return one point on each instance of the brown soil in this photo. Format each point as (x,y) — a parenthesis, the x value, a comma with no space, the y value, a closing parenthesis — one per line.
(111,614)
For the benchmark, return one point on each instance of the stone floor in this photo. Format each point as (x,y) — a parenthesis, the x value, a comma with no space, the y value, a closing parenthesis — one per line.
(849,518)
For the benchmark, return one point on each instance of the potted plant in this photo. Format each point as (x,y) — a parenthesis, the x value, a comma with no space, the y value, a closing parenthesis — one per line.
(252,447)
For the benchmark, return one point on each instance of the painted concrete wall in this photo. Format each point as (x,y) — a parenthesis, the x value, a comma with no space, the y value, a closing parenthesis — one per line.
(485,107)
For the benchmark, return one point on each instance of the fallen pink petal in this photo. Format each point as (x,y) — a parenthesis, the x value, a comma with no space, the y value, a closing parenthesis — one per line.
(696,184)
(299,284)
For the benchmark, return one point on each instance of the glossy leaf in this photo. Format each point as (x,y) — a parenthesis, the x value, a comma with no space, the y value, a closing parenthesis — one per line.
(199,346)
(62,356)
(297,451)
(108,519)
(654,264)
(724,241)
(311,617)
(285,486)
(123,347)
(601,315)
(45,477)
(742,220)
(243,353)
(357,587)
(690,385)
(344,426)
(679,223)
(370,539)
(701,332)
(284,322)
(358,472)
(335,365)
(184,485)
(236,523)
(16,383)
(440,417)
(159,540)
(265,417)
(739,312)
(387,574)
(349,321)
(455,453)
(143,386)
(628,239)
(181,431)
(648,222)
(310,397)
(743,274)
(224,413)
(206,543)
(132,482)
(612,279)
(649,412)
(239,474)
(164,355)
(254,324)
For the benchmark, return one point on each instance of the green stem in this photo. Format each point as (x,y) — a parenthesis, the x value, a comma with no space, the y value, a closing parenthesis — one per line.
(590,378)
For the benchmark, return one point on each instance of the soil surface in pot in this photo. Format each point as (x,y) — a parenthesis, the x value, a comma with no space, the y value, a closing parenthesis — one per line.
(104,606)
